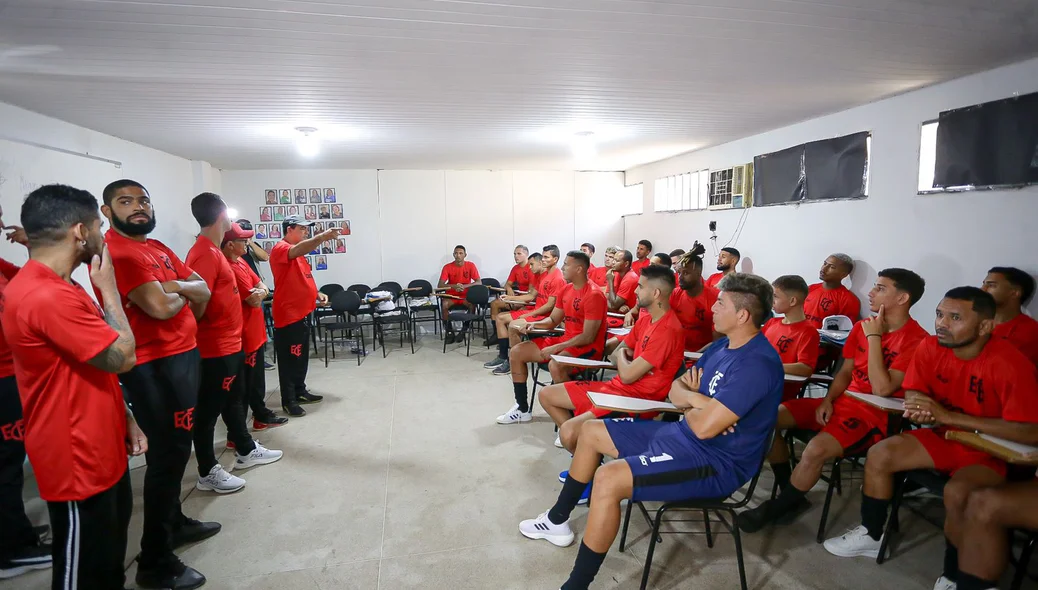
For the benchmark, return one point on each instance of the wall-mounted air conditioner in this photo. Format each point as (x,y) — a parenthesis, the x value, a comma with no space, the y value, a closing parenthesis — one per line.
(731,188)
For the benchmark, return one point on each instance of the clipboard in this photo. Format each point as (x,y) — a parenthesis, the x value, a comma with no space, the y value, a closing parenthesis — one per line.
(816,378)
(446,296)
(630,405)
(1008,451)
(693,355)
(614,314)
(579,362)
(893,405)
(618,331)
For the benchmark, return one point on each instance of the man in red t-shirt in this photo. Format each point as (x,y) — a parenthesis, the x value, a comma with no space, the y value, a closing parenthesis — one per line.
(162,297)
(519,279)
(795,338)
(727,263)
(295,298)
(876,355)
(583,309)
(252,292)
(621,281)
(67,352)
(643,253)
(830,297)
(597,274)
(1012,289)
(455,278)
(220,390)
(589,249)
(546,287)
(647,361)
(960,379)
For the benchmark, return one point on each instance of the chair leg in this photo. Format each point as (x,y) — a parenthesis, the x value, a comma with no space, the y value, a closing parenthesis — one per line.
(706,527)
(1023,562)
(627,521)
(892,520)
(738,551)
(834,481)
(652,546)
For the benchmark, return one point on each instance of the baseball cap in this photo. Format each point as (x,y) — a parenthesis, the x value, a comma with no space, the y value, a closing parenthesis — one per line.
(297,220)
(237,233)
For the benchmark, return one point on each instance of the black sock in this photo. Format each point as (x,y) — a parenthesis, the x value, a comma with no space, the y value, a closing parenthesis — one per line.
(789,497)
(783,471)
(971,582)
(873,515)
(521,396)
(502,348)
(951,561)
(584,570)
(568,498)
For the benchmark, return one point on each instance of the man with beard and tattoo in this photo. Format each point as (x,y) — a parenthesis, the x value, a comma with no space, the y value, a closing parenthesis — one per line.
(727,263)
(162,298)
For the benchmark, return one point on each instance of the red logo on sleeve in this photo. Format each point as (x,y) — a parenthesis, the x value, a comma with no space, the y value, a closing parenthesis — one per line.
(184,420)
(13,431)
(227,381)
(297,349)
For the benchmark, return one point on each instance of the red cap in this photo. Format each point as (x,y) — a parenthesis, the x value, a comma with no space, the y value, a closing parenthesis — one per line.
(237,233)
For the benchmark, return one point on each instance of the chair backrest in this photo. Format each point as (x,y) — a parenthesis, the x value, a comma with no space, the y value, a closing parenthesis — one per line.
(478,295)
(395,286)
(345,302)
(732,502)
(331,289)
(838,322)
(360,289)
(390,286)
(491,282)
(424,286)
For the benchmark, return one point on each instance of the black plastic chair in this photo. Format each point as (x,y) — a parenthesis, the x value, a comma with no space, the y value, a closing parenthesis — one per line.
(331,289)
(401,318)
(344,304)
(422,289)
(323,312)
(1021,563)
(479,297)
(362,291)
(717,505)
(392,286)
(927,478)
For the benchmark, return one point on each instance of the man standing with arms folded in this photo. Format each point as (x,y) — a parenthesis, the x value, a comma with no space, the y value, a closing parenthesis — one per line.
(220,345)
(78,429)
(162,297)
(295,297)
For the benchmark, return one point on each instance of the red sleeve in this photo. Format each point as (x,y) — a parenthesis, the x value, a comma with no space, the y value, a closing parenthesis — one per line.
(512,278)
(595,306)
(206,267)
(1021,394)
(906,352)
(663,344)
(445,276)
(807,348)
(919,369)
(64,312)
(850,347)
(8,270)
(279,253)
(245,279)
(475,273)
(131,271)
(626,291)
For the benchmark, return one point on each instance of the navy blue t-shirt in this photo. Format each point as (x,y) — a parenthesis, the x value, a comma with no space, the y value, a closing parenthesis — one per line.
(748,380)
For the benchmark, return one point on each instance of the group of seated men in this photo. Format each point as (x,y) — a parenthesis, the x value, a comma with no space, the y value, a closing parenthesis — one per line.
(976,374)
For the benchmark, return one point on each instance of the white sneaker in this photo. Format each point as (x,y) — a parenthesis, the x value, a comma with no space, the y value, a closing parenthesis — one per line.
(514,416)
(259,456)
(943,583)
(219,481)
(559,535)
(558,442)
(854,543)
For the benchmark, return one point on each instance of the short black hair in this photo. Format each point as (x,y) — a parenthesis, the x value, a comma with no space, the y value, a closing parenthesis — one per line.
(646,243)
(793,285)
(552,249)
(460,247)
(1019,279)
(983,302)
(750,292)
(49,211)
(626,255)
(109,193)
(732,251)
(906,281)
(581,258)
(677,252)
(206,208)
(535,256)
(245,224)
(664,258)
(589,246)
(661,274)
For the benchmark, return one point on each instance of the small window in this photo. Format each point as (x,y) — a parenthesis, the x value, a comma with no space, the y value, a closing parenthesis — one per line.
(680,192)
(633,200)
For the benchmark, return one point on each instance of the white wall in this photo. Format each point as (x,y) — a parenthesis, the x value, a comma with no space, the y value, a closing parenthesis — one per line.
(950,239)
(405,223)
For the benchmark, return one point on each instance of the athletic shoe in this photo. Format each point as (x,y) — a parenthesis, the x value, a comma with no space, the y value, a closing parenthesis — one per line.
(563,475)
(450,338)
(308,398)
(271,420)
(267,366)
(943,583)
(494,363)
(230,444)
(559,535)
(219,481)
(172,574)
(504,368)
(585,496)
(294,410)
(754,519)
(854,543)
(26,559)
(514,416)
(192,531)
(259,456)
(558,442)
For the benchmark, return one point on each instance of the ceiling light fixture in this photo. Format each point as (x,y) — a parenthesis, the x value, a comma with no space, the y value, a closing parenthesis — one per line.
(308,144)
(584,147)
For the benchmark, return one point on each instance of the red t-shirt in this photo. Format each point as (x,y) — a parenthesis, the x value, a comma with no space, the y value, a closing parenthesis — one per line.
(219,328)
(452,274)
(713,279)
(626,290)
(638,265)
(587,304)
(898,348)
(295,292)
(1021,332)
(550,285)
(996,384)
(74,418)
(137,263)
(254,328)
(822,303)
(696,316)
(596,274)
(660,343)
(520,277)
(7,272)
(795,343)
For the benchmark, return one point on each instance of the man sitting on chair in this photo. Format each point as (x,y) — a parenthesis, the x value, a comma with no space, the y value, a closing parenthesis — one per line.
(643,253)
(1012,288)
(960,379)
(583,308)
(455,279)
(647,360)
(597,274)
(545,287)
(621,282)
(730,414)
(830,297)
(795,338)
(727,263)
(518,280)
(876,355)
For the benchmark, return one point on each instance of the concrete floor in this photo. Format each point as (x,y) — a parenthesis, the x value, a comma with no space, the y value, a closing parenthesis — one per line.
(402,479)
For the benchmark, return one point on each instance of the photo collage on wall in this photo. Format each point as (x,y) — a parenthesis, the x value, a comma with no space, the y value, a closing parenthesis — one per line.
(320,205)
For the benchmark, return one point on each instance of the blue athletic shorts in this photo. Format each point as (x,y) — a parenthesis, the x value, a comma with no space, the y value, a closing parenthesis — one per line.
(666,463)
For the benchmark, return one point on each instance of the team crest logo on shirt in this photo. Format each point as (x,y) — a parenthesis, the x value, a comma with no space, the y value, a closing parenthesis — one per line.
(296,350)
(13,431)
(576,304)
(645,342)
(701,315)
(783,343)
(713,383)
(250,359)
(977,388)
(185,420)
(825,304)
(228,381)
(889,356)
(168,263)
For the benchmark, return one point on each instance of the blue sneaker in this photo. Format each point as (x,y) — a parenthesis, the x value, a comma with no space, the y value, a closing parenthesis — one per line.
(585,496)
(563,475)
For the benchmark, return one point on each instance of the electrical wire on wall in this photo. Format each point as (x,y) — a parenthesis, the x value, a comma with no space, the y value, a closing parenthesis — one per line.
(735,235)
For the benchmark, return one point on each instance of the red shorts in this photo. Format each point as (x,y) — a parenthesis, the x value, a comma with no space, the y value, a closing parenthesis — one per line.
(591,351)
(950,456)
(521,312)
(578,391)
(853,424)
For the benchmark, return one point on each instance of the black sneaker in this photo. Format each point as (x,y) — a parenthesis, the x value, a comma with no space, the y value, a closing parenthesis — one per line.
(449,338)
(173,574)
(754,519)
(294,410)
(308,398)
(267,420)
(26,559)
(267,366)
(193,531)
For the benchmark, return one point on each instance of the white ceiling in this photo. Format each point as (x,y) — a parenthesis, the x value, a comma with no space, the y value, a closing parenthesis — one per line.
(480,84)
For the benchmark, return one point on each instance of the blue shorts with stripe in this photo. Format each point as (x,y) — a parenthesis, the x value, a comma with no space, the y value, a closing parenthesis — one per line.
(666,463)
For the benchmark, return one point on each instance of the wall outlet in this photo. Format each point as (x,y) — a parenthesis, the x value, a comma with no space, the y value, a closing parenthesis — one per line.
(713,226)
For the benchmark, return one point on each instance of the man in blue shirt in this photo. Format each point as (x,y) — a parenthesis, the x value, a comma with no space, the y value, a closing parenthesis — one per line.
(732,398)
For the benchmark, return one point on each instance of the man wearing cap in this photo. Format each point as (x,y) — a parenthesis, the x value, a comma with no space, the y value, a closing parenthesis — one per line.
(220,344)
(251,292)
(295,297)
